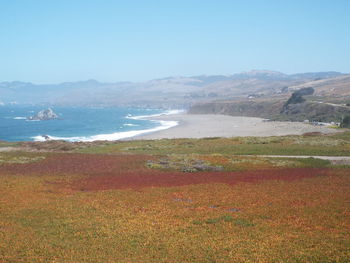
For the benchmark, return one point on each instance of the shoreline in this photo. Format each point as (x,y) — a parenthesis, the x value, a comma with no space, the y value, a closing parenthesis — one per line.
(120,135)
(212,125)
(178,124)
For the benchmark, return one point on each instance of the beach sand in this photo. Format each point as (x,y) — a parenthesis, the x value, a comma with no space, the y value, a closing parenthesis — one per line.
(210,125)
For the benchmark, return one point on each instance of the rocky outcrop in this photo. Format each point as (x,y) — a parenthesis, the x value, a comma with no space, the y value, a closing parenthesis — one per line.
(44,115)
(297,97)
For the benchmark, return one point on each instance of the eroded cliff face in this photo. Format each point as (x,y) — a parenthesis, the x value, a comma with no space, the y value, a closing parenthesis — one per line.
(275,110)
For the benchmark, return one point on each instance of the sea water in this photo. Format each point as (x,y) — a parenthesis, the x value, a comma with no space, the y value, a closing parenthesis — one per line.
(80,123)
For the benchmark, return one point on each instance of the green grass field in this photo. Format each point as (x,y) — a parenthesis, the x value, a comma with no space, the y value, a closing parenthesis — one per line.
(333,145)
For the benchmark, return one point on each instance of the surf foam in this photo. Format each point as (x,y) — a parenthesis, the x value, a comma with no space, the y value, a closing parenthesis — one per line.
(163,125)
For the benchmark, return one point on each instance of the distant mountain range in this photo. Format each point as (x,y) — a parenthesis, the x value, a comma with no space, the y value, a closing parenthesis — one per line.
(171,92)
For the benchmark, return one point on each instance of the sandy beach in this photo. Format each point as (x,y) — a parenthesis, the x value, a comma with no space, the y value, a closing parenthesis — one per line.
(209,125)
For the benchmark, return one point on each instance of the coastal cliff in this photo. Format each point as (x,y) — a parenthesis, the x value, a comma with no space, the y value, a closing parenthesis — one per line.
(275,110)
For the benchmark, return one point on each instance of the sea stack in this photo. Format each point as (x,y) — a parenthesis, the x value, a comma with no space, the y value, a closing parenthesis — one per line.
(44,115)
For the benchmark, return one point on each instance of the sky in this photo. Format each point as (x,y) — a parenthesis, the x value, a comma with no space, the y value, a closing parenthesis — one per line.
(55,41)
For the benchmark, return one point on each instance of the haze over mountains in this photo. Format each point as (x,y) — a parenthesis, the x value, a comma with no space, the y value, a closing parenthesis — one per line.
(174,92)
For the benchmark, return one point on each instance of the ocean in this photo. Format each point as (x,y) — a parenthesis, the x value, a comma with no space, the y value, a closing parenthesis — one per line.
(80,123)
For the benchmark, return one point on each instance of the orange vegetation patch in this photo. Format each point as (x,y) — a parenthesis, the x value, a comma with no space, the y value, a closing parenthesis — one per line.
(103,172)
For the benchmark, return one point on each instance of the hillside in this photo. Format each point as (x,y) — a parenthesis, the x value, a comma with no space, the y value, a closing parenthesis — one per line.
(172,92)
(329,102)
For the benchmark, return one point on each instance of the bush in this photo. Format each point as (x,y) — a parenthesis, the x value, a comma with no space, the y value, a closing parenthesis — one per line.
(305,91)
(242,222)
(346,122)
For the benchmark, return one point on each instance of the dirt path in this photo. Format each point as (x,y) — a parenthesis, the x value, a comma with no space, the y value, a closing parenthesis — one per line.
(333,104)
(8,149)
(333,159)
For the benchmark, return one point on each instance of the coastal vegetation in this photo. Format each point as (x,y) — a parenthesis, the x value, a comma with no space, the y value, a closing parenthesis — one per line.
(337,144)
(184,200)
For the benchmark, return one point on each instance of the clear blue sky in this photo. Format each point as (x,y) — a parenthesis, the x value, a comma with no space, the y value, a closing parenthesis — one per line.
(53,41)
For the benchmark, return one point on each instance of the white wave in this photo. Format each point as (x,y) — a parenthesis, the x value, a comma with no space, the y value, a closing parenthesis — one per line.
(168,112)
(130,125)
(19,118)
(172,112)
(108,137)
